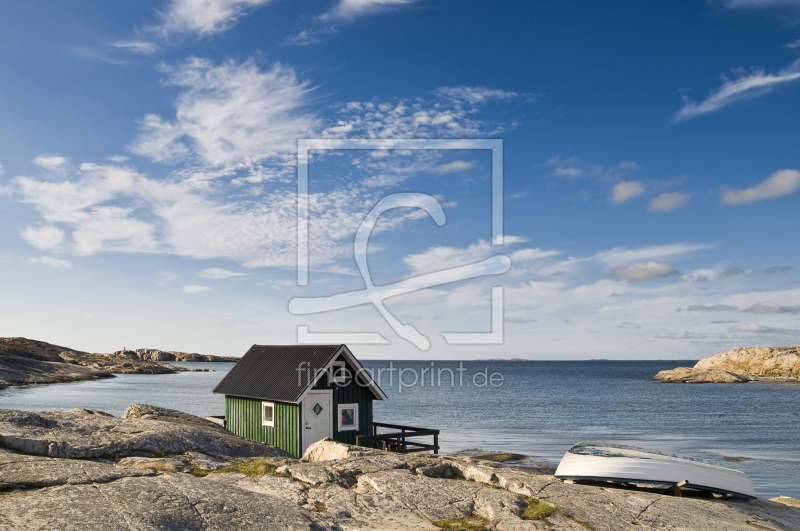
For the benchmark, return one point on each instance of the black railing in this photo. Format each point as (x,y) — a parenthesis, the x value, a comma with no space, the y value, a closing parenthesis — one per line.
(398,441)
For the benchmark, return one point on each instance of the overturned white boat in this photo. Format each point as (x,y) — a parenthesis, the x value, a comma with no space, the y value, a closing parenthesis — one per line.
(611,462)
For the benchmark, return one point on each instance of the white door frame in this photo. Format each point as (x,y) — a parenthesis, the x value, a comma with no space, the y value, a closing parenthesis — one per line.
(328,392)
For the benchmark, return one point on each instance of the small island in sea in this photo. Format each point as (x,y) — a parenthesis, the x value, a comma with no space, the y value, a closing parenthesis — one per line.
(740,365)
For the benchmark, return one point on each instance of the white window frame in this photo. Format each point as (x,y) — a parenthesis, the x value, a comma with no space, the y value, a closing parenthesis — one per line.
(354,427)
(338,379)
(270,423)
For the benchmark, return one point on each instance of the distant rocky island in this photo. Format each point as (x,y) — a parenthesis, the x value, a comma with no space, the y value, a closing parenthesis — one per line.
(739,365)
(27,362)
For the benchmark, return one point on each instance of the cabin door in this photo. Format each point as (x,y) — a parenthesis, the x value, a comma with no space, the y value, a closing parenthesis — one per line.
(317,417)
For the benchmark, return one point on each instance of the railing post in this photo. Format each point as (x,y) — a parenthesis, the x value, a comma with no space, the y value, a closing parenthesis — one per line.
(435,444)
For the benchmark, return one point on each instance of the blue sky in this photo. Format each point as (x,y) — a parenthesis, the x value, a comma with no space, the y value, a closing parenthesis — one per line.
(652,169)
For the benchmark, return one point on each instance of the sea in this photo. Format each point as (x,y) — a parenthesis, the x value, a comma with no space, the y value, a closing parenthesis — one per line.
(536,408)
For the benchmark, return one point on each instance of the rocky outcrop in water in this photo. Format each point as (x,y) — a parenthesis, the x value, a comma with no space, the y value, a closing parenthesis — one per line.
(27,362)
(148,354)
(148,471)
(738,365)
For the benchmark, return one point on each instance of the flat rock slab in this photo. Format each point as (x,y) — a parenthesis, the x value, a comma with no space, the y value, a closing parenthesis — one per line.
(172,502)
(341,471)
(443,499)
(19,471)
(91,434)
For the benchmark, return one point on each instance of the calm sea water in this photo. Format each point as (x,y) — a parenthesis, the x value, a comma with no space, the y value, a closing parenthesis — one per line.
(541,409)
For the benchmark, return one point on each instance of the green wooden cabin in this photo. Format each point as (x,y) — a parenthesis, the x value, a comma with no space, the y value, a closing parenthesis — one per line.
(291,396)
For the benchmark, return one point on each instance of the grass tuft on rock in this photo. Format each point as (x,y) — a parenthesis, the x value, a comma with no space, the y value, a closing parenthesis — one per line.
(260,467)
(538,510)
(469,523)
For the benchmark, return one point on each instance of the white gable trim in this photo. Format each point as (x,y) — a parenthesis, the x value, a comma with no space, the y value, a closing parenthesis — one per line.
(360,370)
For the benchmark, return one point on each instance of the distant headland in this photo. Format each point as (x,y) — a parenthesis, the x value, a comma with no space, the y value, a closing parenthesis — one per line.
(27,361)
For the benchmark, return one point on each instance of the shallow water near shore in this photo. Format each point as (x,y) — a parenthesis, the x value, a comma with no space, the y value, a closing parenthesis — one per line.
(541,409)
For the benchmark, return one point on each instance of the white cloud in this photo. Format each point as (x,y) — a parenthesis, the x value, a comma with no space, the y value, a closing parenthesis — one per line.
(753,328)
(441,258)
(621,255)
(140,47)
(52,263)
(166,278)
(771,307)
(194,289)
(572,168)
(759,4)
(229,114)
(455,166)
(218,273)
(712,308)
(350,9)
(777,269)
(50,162)
(792,45)
(638,272)
(668,201)
(44,237)
(625,191)
(474,95)
(203,17)
(780,183)
(743,87)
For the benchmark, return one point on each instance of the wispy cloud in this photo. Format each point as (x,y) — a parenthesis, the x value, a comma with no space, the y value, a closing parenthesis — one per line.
(712,308)
(777,269)
(52,263)
(640,272)
(780,183)
(350,9)
(166,278)
(50,162)
(140,47)
(229,114)
(455,166)
(194,289)
(203,17)
(745,86)
(753,328)
(572,167)
(668,201)
(771,307)
(624,191)
(219,273)
(474,95)
(622,255)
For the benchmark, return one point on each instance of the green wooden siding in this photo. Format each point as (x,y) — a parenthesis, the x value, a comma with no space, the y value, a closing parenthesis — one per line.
(243,417)
(352,393)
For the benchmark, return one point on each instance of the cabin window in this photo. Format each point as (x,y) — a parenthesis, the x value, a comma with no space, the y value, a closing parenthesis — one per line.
(338,372)
(268,414)
(348,417)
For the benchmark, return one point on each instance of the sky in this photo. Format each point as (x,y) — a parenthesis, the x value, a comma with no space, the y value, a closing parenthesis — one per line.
(651,173)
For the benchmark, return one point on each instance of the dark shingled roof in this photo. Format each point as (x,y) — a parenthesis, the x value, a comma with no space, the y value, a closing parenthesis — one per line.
(269,372)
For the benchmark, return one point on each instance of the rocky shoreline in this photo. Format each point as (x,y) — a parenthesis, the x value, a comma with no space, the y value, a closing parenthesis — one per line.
(156,468)
(740,365)
(30,362)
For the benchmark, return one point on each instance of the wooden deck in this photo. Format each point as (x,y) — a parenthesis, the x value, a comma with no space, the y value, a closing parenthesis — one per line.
(398,441)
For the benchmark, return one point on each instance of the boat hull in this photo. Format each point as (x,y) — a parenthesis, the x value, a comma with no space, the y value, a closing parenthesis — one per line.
(657,469)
